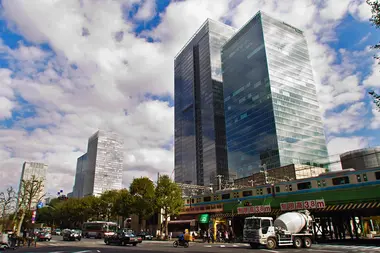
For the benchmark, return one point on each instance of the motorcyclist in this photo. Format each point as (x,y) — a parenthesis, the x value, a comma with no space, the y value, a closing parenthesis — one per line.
(181,238)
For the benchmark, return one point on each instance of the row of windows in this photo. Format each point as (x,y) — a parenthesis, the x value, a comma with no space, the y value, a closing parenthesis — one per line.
(275,62)
(299,186)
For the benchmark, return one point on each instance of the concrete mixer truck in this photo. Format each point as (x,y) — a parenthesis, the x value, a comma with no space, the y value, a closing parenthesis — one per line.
(292,228)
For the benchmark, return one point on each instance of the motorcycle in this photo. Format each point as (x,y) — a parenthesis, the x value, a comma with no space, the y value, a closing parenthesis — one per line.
(180,243)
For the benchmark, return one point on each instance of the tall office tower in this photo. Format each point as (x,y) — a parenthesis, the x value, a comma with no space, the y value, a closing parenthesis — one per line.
(37,171)
(271,107)
(200,145)
(104,170)
(80,176)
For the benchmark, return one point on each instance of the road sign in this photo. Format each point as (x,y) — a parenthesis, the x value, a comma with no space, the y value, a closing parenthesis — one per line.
(40,204)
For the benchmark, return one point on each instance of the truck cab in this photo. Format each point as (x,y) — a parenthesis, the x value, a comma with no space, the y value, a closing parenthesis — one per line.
(257,230)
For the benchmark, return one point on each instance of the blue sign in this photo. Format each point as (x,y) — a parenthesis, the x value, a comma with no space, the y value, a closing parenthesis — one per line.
(40,204)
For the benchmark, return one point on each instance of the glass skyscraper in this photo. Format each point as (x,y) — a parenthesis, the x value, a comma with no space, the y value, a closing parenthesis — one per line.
(200,142)
(104,168)
(271,107)
(80,176)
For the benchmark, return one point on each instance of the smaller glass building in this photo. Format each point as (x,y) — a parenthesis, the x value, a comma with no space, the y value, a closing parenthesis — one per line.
(104,170)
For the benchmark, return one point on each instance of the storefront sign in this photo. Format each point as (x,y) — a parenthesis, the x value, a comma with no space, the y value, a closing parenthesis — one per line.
(204,218)
(254,209)
(307,204)
(203,209)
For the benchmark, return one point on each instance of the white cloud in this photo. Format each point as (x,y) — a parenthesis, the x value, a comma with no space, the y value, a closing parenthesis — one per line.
(339,145)
(348,120)
(115,69)
(147,10)
(373,80)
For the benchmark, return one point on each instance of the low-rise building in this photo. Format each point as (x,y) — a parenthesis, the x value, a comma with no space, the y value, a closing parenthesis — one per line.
(281,174)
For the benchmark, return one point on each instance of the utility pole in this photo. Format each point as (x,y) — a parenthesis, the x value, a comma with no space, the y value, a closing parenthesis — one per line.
(219,177)
(265,171)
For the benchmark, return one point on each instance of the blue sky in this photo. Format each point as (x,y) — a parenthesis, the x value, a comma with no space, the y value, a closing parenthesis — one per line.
(57,87)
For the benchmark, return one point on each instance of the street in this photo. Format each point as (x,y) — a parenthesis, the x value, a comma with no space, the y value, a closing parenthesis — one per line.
(56,245)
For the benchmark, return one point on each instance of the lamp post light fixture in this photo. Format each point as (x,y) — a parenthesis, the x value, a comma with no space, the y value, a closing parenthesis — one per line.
(232,214)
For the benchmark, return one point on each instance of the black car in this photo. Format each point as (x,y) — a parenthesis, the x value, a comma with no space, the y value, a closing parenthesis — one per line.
(145,236)
(71,235)
(123,238)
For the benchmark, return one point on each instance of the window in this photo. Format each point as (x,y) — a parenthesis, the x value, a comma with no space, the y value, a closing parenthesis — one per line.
(259,191)
(192,201)
(304,186)
(269,190)
(290,188)
(319,183)
(358,178)
(188,201)
(265,223)
(323,183)
(340,180)
(207,199)
(277,188)
(247,193)
(226,196)
(377,175)
(365,177)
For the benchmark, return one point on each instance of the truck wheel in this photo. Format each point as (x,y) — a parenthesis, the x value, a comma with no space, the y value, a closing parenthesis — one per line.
(254,245)
(271,243)
(307,242)
(297,243)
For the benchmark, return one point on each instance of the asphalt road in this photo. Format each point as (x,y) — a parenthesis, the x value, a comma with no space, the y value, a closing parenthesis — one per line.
(56,245)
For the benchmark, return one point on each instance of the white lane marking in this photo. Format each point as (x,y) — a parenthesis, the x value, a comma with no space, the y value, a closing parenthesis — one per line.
(323,250)
(222,246)
(83,251)
(235,245)
(98,251)
(208,246)
(268,250)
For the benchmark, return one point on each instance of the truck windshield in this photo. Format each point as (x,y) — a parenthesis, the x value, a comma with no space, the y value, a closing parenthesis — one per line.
(252,223)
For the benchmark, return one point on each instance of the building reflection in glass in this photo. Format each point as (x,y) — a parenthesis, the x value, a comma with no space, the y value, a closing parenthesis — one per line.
(272,113)
(200,143)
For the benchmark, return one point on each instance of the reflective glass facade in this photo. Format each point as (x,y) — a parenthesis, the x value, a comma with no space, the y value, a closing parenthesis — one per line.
(104,169)
(272,113)
(80,176)
(200,144)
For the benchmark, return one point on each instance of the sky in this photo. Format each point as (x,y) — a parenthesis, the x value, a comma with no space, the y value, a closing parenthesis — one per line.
(71,67)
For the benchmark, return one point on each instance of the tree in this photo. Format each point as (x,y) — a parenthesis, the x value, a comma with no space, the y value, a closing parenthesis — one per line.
(108,200)
(168,198)
(7,200)
(30,194)
(375,19)
(123,204)
(142,191)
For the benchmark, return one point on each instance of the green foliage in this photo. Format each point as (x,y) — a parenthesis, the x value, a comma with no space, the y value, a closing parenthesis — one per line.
(375,9)
(123,204)
(375,19)
(168,198)
(142,199)
(142,191)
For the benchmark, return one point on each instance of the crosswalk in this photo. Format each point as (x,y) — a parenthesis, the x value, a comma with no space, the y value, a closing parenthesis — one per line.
(358,248)
(349,247)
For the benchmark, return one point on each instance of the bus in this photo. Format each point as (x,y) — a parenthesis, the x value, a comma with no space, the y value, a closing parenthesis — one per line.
(98,229)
